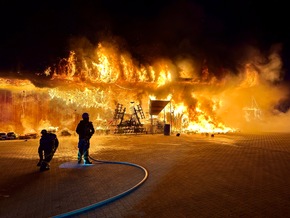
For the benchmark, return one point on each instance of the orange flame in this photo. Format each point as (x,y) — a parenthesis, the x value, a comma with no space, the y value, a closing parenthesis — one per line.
(98,81)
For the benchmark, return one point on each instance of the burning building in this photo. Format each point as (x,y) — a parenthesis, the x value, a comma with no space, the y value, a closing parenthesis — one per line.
(98,80)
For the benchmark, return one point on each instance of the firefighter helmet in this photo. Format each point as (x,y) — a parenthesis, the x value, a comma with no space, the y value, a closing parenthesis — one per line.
(85,116)
(43,132)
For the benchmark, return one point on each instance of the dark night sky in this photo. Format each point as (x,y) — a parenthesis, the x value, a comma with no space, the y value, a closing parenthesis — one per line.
(36,34)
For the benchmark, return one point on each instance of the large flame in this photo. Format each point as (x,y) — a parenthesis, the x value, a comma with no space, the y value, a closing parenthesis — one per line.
(96,82)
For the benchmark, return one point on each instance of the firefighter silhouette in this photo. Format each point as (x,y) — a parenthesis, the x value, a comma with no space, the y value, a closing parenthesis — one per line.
(48,144)
(85,130)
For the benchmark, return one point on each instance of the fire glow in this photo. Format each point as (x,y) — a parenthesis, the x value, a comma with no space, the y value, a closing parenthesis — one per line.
(95,82)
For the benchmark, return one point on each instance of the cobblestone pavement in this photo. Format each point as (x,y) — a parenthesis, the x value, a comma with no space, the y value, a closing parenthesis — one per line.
(228,175)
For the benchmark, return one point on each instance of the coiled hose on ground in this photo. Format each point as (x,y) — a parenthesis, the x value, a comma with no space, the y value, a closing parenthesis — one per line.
(108,200)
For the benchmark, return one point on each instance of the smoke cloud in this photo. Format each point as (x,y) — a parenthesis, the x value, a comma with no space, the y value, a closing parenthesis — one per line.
(122,50)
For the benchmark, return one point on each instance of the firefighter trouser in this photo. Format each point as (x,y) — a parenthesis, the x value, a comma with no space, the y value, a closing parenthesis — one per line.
(83,150)
(44,163)
(48,155)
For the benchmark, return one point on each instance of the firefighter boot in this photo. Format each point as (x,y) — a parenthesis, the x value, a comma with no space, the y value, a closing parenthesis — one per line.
(44,166)
(87,161)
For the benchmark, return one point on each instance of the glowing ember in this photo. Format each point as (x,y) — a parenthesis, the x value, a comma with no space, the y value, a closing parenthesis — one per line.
(199,102)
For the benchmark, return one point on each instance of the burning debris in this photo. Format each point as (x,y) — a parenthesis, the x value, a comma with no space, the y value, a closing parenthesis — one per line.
(253,111)
(131,125)
(106,81)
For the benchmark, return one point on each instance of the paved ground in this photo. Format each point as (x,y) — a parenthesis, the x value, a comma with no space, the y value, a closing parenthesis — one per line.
(228,175)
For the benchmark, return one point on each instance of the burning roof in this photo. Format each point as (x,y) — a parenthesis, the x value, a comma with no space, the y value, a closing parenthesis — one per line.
(97,79)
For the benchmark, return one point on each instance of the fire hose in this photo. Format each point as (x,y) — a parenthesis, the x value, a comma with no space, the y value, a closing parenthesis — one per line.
(108,200)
